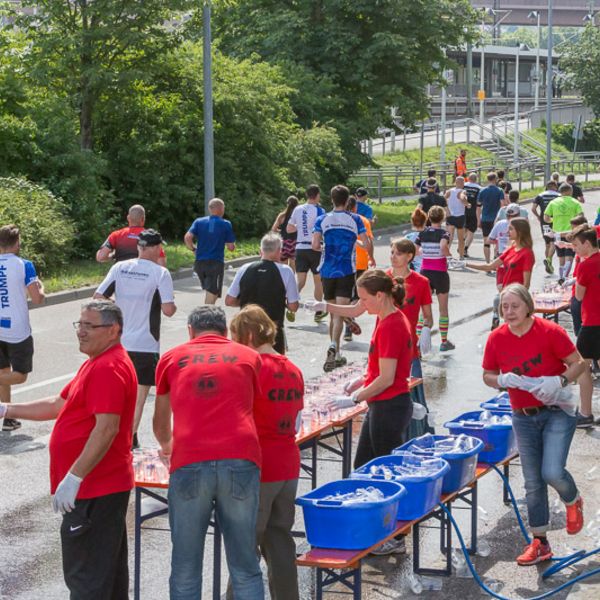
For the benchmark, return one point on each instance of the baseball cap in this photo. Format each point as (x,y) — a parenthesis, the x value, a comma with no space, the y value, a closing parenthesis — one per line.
(361,192)
(149,237)
(513,209)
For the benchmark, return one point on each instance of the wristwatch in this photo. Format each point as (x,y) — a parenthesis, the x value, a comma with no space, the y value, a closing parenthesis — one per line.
(564,382)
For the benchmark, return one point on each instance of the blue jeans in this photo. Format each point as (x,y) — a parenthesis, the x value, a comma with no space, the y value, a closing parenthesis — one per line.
(544,441)
(231,488)
(576,314)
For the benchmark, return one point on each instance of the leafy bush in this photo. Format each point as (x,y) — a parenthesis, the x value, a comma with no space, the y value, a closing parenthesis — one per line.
(591,136)
(46,232)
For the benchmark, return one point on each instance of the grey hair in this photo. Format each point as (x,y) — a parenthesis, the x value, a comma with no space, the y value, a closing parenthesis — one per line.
(565,188)
(110,313)
(270,243)
(137,213)
(216,204)
(208,318)
(522,293)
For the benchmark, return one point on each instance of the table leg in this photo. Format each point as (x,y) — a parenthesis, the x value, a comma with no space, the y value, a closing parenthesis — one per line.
(474,519)
(347,449)
(314,450)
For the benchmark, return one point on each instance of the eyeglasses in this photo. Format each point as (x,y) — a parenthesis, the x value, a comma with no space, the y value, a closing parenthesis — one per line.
(77,325)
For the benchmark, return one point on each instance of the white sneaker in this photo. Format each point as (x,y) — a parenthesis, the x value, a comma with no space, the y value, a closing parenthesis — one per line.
(392,546)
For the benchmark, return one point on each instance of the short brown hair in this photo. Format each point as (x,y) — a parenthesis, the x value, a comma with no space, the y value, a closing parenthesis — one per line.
(585,233)
(492,176)
(253,321)
(9,236)
(404,246)
(436,214)
(339,195)
(522,293)
(513,195)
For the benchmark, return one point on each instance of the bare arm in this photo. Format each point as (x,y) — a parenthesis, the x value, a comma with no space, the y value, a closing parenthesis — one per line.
(291,228)
(231,301)
(230,246)
(527,279)
(445,248)
(478,211)
(277,223)
(579,292)
(36,292)
(535,209)
(547,218)
(485,267)
(576,365)
(293,306)
(463,198)
(104,254)
(317,238)
(427,315)
(100,440)
(168,309)
(161,423)
(346,310)
(387,374)
(188,240)
(46,409)
(490,378)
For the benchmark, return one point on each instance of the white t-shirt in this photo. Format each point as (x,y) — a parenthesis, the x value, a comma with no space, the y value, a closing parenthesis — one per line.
(140,286)
(455,206)
(304,217)
(15,275)
(287,276)
(499,234)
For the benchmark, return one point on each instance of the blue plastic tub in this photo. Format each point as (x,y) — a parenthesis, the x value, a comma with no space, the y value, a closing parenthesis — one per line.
(499,403)
(462,464)
(423,492)
(499,440)
(330,524)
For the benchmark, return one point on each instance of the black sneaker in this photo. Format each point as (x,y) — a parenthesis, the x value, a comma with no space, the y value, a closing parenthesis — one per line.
(320,316)
(584,422)
(347,335)
(10,424)
(136,443)
(495,323)
(329,364)
(466,254)
(561,280)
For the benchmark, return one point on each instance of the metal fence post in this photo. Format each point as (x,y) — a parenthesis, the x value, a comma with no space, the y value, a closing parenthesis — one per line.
(404,142)
(393,149)
(453,132)
(380,186)
(397,171)
(468,132)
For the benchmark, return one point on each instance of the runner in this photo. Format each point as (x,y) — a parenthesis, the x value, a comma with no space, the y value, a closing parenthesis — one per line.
(17,280)
(421,186)
(268,284)
(472,189)
(212,234)
(122,244)
(288,250)
(431,198)
(540,204)
(577,191)
(502,179)
(513,198)
(434,244)
(457,204)
(302,222)
(542,350)
(418,221)
(276,413)
(559,213)
(362,207)
(339,231)
(142,290)
(515,263)
(489,201)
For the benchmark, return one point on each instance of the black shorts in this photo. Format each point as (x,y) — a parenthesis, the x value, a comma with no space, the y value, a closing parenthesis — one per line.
(338,287)
(144,364)
(210,273)
(471,223)
(486,228)
(17,356)
(565,252)
(307,260)
(545,227)
(439,281)
(458,222)
(588,342)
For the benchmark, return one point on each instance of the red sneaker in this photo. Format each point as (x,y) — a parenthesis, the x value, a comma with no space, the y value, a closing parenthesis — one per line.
(575,517)
(535,553)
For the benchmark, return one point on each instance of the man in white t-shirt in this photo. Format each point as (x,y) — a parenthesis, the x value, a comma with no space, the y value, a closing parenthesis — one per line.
(302,222)
(268,283)
(457,204)
(17,279)
(142,289)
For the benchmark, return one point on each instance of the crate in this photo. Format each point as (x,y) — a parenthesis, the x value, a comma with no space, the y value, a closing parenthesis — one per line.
(330,524)
(422,492)
(498,440)
(462,464)
(499,403)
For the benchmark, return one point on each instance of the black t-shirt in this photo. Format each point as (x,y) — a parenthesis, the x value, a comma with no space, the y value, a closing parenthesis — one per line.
(422,185)
(544,199)
(262,284)
(577,191)
(283,230)
(431,199)
(472,191)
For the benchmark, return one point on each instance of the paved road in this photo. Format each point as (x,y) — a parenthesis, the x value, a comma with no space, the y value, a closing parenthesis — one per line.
(30,567)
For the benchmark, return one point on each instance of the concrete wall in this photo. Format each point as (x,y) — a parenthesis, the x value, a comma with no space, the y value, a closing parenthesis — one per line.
(562,114)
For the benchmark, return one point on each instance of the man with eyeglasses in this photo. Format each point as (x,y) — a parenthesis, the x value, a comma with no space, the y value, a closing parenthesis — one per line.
(91,473)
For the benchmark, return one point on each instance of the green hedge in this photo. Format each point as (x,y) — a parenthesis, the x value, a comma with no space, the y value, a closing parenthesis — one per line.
(47,234)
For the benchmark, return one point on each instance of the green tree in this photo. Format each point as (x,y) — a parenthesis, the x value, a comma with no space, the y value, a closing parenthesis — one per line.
(349,62)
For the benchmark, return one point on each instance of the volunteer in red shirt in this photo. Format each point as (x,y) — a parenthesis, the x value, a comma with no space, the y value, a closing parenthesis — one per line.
(209,386)
(535,359)
(587,291)
(122,244)
(91,472)
(276,415)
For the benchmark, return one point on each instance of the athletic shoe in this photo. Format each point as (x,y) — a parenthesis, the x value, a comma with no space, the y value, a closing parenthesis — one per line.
(584,422)
(290,316)
(535,553)
(341,361)
(575,517)
(495,323)
(10,424)
(548,266)
(352,326)
(320,315)
(466,254)
(347,334)
(392,546)
(447,345)
(136,443)
(329,364)
(561,281)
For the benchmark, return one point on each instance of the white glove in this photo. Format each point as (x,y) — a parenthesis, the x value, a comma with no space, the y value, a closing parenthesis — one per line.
(66,492)
(316,305)
(353,385)
(419,411)
(546,388)
(340,402)
(550,234)
(3,409)
(510,380)
(567,283)
(425,340)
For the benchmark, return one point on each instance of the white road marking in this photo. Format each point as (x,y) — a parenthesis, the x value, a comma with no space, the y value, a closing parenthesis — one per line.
(41,384)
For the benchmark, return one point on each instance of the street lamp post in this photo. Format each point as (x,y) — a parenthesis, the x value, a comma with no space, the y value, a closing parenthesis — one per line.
(209,147)
(536,14)
(548,168)
(516,127)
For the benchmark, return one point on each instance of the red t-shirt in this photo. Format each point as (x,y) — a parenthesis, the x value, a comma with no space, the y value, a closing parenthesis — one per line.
(392,338)
(124,242)
(275,412)
(106,384)
(588,275)
(540,351)
(213,385)
(516,263)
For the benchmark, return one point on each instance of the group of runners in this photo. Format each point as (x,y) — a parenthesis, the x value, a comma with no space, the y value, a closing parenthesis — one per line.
(237,455)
